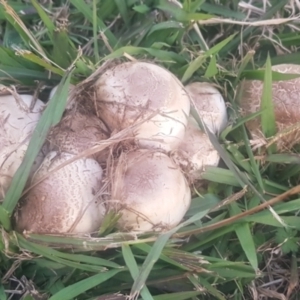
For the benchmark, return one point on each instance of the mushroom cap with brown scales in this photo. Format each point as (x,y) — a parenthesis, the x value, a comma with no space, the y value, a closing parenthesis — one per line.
(66,201)
(138,91)
(149,190)
(77,132)
(17,123)
(286,101)
(210,105)
(195,152)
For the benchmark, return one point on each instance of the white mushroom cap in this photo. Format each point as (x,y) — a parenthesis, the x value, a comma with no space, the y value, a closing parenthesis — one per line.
(67,201)
(150,191)
(286,100)
(195,152)
(209,104)
(131,92)
(17,123)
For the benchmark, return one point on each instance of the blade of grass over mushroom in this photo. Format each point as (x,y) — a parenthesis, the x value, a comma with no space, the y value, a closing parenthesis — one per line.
(254,164)
(50,117)
(88,13)
(80,287)
(268,122)
(134,270)
(245,237)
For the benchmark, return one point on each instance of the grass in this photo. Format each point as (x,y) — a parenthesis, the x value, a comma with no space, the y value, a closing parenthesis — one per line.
(240,238)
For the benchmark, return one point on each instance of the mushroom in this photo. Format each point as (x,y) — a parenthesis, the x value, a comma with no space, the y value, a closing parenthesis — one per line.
(286,99)
(195,152)
(210,105)
(17,123)
(132,92)
(66,201)
(149,191)
(77,132)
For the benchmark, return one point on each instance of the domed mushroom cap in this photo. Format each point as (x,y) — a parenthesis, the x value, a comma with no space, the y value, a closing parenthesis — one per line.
(134,91)
(17,123)
(210,105)
(77,132)
(67,201)
(195,152)
(286,100)
(150,192)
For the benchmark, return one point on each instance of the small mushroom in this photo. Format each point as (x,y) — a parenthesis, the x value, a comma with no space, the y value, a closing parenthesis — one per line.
(209,104)
(286,100)
(150,192)
(66,201)
(138,91)
(195,152)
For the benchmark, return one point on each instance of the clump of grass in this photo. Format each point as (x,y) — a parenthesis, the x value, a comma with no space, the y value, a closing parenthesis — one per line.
(239,239)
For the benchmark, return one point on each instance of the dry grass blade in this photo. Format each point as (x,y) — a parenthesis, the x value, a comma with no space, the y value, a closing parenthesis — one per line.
(271,22)
(282,197)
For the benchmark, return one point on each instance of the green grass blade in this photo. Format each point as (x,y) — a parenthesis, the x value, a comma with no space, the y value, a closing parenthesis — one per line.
(122,7)
(134,270)
(41,62)
(155,253)
(83,7)
(50,117)
(80,287)
(245,237)
(268,123)
(2,293)
(45,18)
(177,296)
(13,18)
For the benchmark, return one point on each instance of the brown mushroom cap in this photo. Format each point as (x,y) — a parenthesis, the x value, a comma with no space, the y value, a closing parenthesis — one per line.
(77,132)
(150,191)
(67,201)
(286,99)
(134,91)
(195,152)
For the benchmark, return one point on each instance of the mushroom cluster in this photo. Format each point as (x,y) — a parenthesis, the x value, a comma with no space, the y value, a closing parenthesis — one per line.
(145,179)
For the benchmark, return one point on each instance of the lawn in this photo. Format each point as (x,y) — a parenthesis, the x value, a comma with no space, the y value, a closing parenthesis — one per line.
(240,237)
